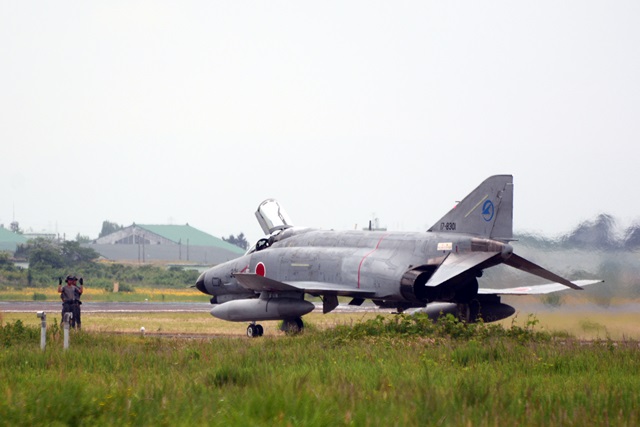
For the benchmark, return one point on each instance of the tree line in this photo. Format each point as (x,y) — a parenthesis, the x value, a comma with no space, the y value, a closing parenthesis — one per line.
(49,260)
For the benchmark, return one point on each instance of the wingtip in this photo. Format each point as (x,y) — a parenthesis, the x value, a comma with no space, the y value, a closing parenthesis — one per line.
(576,287)
(587,282)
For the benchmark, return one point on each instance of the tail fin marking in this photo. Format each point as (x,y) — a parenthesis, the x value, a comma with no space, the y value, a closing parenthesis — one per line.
(487,211)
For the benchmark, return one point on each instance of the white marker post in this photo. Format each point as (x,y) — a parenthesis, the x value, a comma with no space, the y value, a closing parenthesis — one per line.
(66,320)
(43,329)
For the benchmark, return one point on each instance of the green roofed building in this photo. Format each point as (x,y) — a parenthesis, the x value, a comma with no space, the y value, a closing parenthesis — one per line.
(165,243)
(9,240)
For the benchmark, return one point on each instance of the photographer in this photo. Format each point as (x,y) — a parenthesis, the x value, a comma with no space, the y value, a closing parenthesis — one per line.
(70,295)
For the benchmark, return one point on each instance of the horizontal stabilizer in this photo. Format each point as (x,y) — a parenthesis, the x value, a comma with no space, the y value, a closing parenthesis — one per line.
(531,268)
(456,264)
(537,289)
(264,284)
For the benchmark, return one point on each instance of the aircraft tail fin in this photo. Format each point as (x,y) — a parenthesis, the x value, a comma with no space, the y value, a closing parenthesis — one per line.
(487,211)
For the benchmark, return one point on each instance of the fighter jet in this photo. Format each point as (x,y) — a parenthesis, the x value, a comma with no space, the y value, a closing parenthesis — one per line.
(435,271)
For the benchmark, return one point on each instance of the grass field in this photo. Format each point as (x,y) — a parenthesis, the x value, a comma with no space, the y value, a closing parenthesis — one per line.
(349,370)
(181,323)
(580,323)
(99,295)
(581,326)
(562,367)
(570,319)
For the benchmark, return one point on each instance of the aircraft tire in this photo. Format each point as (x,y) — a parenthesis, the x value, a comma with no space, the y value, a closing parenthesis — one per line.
(259,330)
(252,332)
(292,326)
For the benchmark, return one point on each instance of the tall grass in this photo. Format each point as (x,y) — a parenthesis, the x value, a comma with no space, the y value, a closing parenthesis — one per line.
(380,372)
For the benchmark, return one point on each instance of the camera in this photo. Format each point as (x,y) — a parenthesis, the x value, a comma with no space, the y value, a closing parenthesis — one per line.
(41,315)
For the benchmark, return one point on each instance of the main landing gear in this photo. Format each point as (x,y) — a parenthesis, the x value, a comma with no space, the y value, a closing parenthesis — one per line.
(254,331)
(292,326)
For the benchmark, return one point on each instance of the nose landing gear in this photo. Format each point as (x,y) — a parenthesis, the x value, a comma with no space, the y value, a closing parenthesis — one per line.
(289,327)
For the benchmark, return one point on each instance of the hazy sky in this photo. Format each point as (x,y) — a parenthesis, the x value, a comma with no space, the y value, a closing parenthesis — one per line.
(193,112)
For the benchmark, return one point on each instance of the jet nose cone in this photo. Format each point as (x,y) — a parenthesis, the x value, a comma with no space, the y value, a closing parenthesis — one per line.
(200,284)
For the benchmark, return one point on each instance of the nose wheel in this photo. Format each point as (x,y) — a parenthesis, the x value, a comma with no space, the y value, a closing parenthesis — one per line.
(254,331)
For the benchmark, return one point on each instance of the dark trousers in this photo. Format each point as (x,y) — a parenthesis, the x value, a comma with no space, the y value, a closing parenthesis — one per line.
(74,308)
(76,315)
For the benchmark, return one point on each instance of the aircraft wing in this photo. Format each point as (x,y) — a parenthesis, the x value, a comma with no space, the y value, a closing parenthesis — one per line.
(536,289)
(456,264)
(264,284)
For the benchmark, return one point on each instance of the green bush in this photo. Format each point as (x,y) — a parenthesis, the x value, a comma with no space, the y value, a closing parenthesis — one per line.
(17,332)
(101,276)
(5,262)
(39,297)
(124,287)
(446,327)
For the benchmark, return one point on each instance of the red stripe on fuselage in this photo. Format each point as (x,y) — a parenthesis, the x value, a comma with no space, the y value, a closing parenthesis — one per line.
(365,257)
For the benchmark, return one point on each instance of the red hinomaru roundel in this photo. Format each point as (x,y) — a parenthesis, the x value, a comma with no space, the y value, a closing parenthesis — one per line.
(260,269)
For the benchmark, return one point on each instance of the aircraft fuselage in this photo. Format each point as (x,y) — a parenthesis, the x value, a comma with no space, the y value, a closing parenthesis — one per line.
(392,266)
(393,269)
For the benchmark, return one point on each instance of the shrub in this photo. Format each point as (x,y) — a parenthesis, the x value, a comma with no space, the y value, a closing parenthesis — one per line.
(13,333)
(446,327)
(39,297)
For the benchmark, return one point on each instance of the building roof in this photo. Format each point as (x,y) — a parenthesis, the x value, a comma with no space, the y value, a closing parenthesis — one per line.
(170,235)
(10,236)
(186,234)
(9,240)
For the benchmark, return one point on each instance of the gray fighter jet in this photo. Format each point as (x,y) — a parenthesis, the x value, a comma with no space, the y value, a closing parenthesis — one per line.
(393,269)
